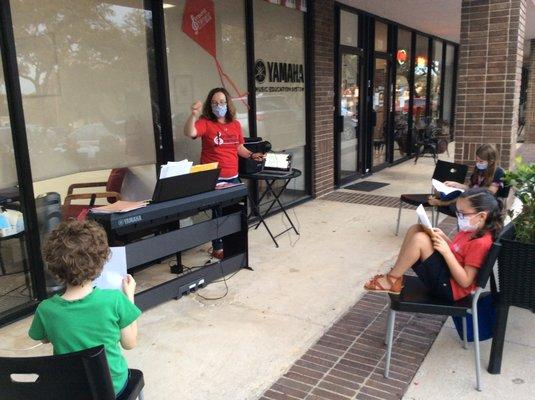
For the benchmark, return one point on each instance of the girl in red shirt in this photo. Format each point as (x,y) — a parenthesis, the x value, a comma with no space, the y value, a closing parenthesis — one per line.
(222,140)
(447,267)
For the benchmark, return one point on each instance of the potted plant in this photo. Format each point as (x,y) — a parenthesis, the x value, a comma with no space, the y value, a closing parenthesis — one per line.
(517,257)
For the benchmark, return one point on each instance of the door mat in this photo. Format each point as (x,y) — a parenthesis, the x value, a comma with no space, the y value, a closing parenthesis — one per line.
(366,186)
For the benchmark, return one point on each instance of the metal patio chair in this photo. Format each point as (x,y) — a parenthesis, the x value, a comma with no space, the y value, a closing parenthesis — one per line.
(415,298)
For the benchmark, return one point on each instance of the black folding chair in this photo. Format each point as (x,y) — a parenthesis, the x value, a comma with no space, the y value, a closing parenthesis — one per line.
(444,171)
(83,375)
(415,298)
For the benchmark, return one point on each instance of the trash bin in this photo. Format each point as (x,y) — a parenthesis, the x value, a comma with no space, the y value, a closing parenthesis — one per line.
(486,318)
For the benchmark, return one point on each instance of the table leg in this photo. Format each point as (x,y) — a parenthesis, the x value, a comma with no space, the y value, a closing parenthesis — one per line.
(498,338)
(281,206)
(255,210)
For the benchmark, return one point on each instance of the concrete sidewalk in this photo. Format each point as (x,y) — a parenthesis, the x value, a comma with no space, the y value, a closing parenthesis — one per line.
(237,346)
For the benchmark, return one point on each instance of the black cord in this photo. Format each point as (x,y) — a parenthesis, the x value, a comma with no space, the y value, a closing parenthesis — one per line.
(222,273)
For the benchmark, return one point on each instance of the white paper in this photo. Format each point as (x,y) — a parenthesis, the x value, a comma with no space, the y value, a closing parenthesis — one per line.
(442,188)
(422,216)
(114,270)
(277,160)
(175,168)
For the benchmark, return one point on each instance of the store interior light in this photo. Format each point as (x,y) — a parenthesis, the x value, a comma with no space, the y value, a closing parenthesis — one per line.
(421,62)
(167,5)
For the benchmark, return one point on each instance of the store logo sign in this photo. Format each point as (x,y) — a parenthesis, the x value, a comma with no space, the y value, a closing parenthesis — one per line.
(275,76)
(260,71)
(279,72)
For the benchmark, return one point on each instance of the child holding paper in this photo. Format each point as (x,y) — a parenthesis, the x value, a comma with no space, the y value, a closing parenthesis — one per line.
(85,317)
(447,267)
(486,175)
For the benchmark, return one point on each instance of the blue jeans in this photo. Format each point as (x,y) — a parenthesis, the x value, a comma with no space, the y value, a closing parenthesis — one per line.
(217,244)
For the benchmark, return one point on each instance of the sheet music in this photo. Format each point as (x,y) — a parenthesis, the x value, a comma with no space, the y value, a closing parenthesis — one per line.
(422,216)
(114,270)
(175,168)
(442,188)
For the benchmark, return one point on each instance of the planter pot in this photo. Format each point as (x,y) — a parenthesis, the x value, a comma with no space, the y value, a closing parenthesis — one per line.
(516,271)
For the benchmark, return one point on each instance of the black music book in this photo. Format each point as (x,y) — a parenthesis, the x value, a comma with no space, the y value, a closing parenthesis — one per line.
(177,187)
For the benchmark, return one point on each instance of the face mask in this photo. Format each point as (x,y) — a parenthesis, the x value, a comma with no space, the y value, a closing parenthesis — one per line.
(465,225)
(220,110)
(482,165)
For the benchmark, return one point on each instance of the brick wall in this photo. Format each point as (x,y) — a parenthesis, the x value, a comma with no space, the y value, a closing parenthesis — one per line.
(530,105)
(322,101)
(490,68)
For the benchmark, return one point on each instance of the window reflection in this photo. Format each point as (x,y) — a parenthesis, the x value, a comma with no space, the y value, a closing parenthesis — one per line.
(420,81)
(401,109)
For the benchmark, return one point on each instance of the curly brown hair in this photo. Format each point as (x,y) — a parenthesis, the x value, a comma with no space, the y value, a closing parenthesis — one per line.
(75,251)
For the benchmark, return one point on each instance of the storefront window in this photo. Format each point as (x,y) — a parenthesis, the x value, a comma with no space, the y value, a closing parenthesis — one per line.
(87,102)
(401,109)
(448,85)
(436,69)
(15,283)
(381,37)
(193,68)
(349,28)
(420,81)
(349,111)
(280,93)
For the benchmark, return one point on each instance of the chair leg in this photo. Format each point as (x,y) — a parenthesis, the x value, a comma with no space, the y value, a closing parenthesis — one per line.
(476,347)
(465,334)
(141,396)
(399,217)
(389,339)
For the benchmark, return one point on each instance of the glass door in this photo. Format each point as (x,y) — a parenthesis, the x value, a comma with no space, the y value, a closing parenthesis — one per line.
(380,111)
(16,288)
(348,126)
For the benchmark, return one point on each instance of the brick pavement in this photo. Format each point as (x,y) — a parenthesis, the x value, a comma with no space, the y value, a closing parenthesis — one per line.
(347,362)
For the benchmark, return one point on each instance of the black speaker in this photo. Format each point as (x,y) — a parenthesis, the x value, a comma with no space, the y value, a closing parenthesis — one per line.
(248,166)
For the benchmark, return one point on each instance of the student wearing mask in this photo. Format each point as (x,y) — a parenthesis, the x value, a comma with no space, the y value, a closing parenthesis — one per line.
(447,267)
(487,174)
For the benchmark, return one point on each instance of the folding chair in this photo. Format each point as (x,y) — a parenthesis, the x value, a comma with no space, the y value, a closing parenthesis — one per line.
(444,171)
(83,375)
(415,298)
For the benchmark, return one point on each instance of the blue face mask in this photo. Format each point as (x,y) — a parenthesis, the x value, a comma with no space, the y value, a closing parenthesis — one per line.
(220,110)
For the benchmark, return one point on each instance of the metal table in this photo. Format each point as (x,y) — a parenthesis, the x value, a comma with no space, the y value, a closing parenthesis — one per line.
(270,179)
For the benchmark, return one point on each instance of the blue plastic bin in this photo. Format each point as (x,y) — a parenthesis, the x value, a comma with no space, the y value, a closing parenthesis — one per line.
(486,319)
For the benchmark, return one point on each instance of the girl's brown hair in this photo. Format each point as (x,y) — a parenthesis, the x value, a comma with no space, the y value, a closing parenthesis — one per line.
(207,106)
(75,251)
(489,154)
(482,200)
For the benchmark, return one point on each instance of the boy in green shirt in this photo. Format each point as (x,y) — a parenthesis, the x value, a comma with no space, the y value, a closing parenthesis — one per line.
(85,317)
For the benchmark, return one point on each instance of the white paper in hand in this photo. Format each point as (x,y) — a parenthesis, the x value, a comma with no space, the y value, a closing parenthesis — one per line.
(442,188)
(114,270)
(422,216)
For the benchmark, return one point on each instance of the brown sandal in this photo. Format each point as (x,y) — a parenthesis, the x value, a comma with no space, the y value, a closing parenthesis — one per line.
(396,284)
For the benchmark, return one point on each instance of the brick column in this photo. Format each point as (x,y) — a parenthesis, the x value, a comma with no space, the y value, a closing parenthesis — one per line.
(322,97)
(530,103)
(490,69)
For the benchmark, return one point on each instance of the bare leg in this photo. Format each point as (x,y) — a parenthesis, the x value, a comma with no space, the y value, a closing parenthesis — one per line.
(416,246)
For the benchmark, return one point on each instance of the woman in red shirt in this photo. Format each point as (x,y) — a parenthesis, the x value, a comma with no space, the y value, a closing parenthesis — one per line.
(222,140)
(447,267)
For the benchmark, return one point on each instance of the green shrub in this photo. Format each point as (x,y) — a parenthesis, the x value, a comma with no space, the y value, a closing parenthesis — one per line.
(522,179)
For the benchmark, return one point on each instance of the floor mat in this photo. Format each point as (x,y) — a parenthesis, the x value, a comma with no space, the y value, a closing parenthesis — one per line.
(366,186)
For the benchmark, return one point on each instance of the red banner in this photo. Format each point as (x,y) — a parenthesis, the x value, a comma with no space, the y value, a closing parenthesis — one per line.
(198,22)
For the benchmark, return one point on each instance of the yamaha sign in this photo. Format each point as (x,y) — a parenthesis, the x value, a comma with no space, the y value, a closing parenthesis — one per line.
(286,77)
